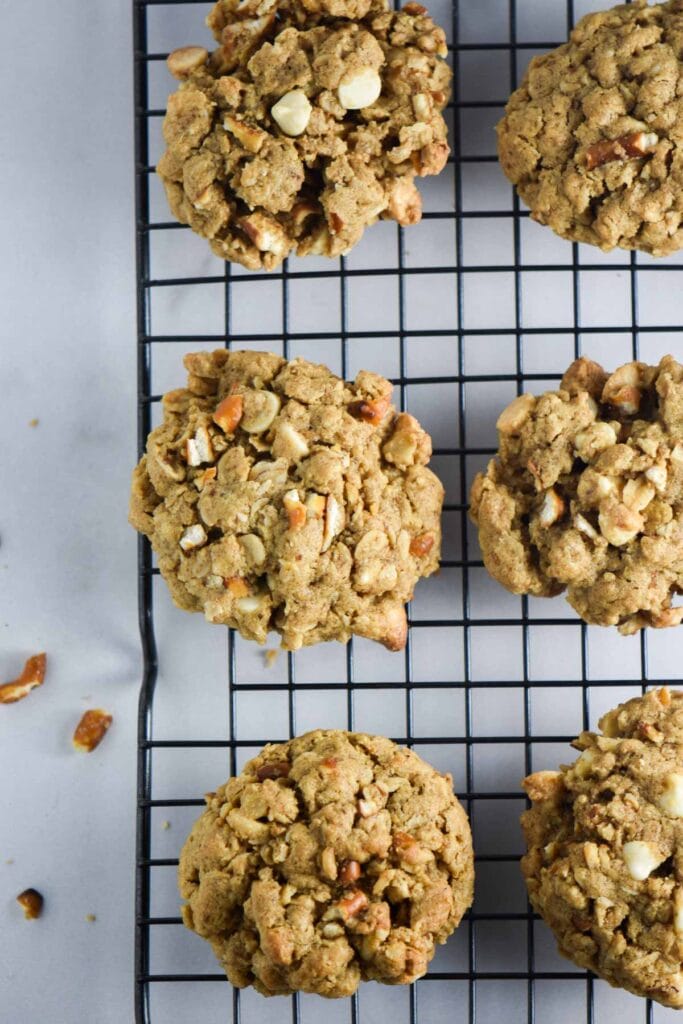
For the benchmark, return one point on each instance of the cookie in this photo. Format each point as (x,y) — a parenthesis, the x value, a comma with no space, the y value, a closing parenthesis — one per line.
(278,497)
(308,123)
(592,138)
(331,859)
(586,494)
(604,866)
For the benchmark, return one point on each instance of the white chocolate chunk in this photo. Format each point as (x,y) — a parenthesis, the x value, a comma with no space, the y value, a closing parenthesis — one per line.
(583,526)
(295,442)
(359,89)
(253,548)
(187,59)
(266,406)
(583,763)
(638,494)
(657,475)
(292,112)
(315,504)
(515,415)
(199,449)
(678,912)
(291,499)
(249,604)
(641,859)
(422,105)
(551,509)
(671,799)
(594,439)
(619,524)
(334,521)
(193,537)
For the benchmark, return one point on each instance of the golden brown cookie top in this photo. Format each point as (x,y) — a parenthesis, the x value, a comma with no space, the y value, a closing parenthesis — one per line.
(587,494)
(592,137)
(308,123)
(279,497)
(604,866)
(332,858)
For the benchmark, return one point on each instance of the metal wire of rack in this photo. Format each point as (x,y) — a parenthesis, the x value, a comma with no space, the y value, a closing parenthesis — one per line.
(489,686)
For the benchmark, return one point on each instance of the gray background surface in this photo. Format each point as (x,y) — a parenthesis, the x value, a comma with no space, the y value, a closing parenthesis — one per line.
(67,557)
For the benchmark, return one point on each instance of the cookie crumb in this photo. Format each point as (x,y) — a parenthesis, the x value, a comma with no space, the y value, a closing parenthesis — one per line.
(166,825)
(31,901)
(91,730)
(270,656)
(33,422)
(10,860)
(91,918)
(33,675)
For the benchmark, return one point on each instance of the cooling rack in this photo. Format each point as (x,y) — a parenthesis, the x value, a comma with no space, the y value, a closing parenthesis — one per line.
(462,312)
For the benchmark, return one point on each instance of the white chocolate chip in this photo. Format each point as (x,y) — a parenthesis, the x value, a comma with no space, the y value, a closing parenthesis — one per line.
(334,521)
(583,763)
(294,441)
(249,604)
(315,504)
(329,863)
(332,930)
(638,494)
(618,523)
(641,859)
(591,855)
(359,89)
(657,475)
(422,105)
(623,389)
(515,415)
(193,537)
(260,409)
(583,526)
(187,59)
(253,548)
(552,508)
(594,439)
(199,449)
(678,912)
(292,112)
(671,799)
(593,487)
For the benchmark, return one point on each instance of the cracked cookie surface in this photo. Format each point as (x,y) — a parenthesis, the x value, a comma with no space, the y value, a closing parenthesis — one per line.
(279,497)
(604,865)
(586,494)
(308,123)
(334,858)
(593,137)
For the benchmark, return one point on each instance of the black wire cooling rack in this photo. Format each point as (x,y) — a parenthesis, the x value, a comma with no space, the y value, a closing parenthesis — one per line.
(474,305)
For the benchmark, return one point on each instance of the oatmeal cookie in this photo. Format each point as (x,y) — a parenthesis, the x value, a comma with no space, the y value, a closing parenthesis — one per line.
(308,123)
(587,494)
(593,138)
(331,859)
(279,497)
(604,866)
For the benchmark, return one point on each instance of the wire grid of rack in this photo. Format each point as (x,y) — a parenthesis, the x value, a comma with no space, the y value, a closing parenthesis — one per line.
(463,312)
